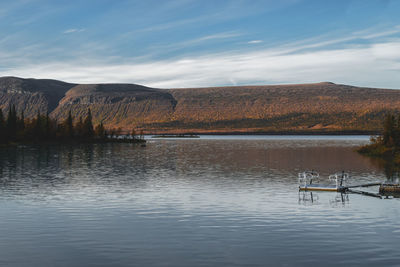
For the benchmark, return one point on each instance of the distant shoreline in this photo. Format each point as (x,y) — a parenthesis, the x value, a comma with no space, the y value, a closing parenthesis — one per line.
(353,132)
(73,142)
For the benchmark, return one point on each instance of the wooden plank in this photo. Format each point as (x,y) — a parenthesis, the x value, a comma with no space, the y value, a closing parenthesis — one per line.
(318,189)
(364,193)
(363,185)
(389,188)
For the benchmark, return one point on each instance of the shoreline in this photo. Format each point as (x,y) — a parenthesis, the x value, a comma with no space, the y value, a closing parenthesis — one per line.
(272,133)
(75,142)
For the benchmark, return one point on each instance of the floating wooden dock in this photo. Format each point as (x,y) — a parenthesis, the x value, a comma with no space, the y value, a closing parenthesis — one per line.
(321,187)
(389,188)
(332,187)
(363,185)
(365,193)
(306,184)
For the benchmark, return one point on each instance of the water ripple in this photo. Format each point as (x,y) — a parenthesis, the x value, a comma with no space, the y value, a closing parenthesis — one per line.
(206,202)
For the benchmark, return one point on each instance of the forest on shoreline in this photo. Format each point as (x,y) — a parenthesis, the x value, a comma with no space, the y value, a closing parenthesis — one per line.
(386,145)
(43,129)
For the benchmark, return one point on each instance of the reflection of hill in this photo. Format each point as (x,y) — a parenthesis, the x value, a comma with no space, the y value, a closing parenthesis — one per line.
(196,164)
(302,107)
(283,156)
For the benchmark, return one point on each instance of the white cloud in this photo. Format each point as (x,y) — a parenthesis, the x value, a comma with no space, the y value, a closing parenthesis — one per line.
(73,31)
(255,42)
(374,64)
(197,41)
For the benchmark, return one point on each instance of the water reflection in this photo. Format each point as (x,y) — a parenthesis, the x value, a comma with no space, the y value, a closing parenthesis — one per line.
(335,199)
(128,164)
(390,168)
(308,197)
(339,199)
(190,203)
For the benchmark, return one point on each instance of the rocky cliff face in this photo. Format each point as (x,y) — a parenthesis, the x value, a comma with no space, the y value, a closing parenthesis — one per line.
(31,95)
(304,107)
(118,105)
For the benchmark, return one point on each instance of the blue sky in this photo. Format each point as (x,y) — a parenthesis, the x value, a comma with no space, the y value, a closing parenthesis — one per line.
(190,43)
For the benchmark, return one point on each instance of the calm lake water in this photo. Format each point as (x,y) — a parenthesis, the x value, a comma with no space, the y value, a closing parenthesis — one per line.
(222,201)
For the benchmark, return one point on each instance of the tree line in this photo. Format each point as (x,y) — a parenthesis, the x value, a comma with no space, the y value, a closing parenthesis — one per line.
(42,128)
(390,137)
(387,144)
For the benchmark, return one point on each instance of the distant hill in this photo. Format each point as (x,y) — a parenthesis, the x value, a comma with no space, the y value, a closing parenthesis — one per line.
(32,95)
(301,107)
(319,107)
(118,105)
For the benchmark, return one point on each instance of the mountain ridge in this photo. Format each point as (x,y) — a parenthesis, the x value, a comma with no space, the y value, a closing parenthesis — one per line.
(323,106)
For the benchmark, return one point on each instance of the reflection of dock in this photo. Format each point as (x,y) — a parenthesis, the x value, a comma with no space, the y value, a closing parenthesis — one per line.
(308,198)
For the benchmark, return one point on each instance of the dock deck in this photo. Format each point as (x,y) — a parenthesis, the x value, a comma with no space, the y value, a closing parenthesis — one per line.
(332,187)
(321,187)
(389,188)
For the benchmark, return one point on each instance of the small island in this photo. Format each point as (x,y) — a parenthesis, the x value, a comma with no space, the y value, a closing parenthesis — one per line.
(43,129)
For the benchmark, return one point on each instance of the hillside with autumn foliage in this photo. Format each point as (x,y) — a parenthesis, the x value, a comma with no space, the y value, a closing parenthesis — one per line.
(318,107)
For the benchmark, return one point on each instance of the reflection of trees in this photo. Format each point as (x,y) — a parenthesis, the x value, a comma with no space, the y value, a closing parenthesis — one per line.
(389,167)
(88,154)
(9,165)
(69,157)
(36,169)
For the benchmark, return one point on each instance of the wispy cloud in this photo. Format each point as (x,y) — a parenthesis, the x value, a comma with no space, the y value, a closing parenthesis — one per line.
(215,36)
(255,42)
(375,63)
(74,31)
(324,41)
(200,40)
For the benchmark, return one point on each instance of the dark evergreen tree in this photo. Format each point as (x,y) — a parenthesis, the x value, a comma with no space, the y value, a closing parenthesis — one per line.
(48,127)
(79,128)
(20,131)
(21,123)
(99,131)
(38,127)
(68,126)
(88,131)
(3,134)
(389,129)
(11,127)
(44,129)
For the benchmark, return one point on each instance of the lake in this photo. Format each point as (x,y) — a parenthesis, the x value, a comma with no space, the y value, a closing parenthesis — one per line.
(212,201)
